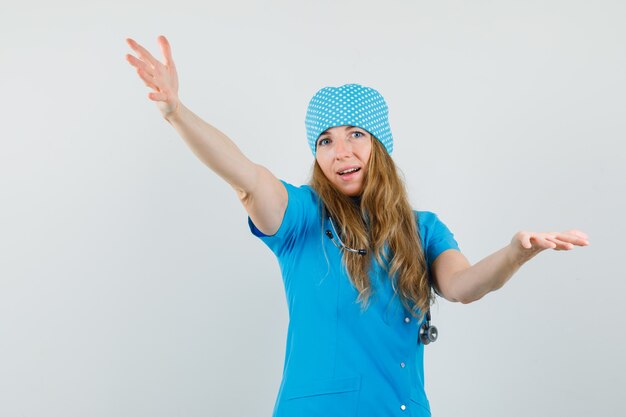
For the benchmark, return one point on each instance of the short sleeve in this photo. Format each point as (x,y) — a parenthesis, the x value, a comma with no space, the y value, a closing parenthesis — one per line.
(436,236)
(299,214)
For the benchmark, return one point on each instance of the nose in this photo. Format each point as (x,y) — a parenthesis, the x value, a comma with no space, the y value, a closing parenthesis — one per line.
(343,148)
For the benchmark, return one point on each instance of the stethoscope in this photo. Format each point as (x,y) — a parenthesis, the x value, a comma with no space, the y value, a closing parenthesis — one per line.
(361,252)
(427,332)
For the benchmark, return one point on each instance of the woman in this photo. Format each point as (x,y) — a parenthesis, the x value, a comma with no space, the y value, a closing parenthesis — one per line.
(357,262)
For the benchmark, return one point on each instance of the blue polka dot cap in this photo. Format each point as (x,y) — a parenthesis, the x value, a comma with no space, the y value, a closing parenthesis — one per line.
(350,104)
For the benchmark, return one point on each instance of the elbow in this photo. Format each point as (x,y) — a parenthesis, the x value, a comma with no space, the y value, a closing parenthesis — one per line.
(477,294)
(457,295)
(470,299)
(466,295)
(459,299)
(465,298)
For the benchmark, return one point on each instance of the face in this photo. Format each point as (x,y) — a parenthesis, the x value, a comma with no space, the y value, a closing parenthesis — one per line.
(344,148)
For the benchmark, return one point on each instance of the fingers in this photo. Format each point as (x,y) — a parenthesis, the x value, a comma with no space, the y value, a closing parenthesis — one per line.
(147,79)
(147,69)
(526,241)
(532,241)
(157,96)
(143,53)
(566,241)
(542,241)
(166,50)
(572,236)
(552,240)
(558,244)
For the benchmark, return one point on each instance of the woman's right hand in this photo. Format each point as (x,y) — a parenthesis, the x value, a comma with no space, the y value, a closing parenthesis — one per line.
(162,78)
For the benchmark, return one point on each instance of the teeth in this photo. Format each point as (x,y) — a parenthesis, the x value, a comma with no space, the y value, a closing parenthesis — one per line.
(348,171)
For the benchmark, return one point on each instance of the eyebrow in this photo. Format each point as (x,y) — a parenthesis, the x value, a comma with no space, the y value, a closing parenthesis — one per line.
(326,131)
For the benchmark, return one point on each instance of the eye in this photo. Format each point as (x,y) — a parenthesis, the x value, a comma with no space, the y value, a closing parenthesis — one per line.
(358,133)
(323,141)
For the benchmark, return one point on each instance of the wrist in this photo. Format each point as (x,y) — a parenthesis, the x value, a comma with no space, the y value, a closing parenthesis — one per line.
(172,115)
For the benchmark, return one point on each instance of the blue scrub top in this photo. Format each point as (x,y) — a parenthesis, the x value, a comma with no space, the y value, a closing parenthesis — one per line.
(340,361)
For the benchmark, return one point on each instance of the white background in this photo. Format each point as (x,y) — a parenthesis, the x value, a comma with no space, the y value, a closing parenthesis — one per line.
(130,284)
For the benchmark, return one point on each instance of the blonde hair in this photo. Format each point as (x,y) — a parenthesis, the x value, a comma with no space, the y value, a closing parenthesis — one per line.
(386,225)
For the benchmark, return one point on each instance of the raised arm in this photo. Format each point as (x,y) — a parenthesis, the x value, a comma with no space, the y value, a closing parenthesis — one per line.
(456,280)
(262,194)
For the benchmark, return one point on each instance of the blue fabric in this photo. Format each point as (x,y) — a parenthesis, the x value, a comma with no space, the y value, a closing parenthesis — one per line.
(340,361)
(350,104)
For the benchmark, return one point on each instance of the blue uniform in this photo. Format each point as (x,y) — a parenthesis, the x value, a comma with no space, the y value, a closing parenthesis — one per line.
(340,361)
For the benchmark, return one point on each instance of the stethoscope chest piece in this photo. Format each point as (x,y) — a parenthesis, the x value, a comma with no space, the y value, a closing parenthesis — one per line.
(427,333)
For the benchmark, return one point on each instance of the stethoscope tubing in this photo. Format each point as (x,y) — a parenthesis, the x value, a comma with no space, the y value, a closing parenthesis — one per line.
(427,332)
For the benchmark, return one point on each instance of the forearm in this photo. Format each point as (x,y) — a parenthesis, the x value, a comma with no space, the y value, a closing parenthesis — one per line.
(488,275)
(214,149)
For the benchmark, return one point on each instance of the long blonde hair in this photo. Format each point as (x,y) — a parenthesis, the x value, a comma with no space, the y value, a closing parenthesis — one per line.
(385,224)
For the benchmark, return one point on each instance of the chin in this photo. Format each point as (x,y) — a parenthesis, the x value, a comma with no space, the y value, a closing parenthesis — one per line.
(351,192)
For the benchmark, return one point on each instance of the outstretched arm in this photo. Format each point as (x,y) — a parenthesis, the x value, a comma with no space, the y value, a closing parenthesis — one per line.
(456,280)
(262,194)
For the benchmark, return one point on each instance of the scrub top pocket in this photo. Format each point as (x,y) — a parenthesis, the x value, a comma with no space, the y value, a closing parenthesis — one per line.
(337,397)
(419,407)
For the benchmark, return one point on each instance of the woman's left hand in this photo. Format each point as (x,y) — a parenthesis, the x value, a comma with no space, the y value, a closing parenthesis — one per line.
(528,244)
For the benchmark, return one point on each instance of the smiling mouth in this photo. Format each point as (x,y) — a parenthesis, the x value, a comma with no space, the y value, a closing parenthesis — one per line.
(349,171)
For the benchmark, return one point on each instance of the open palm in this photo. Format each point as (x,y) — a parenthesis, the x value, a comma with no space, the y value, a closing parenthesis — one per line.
(161,77)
